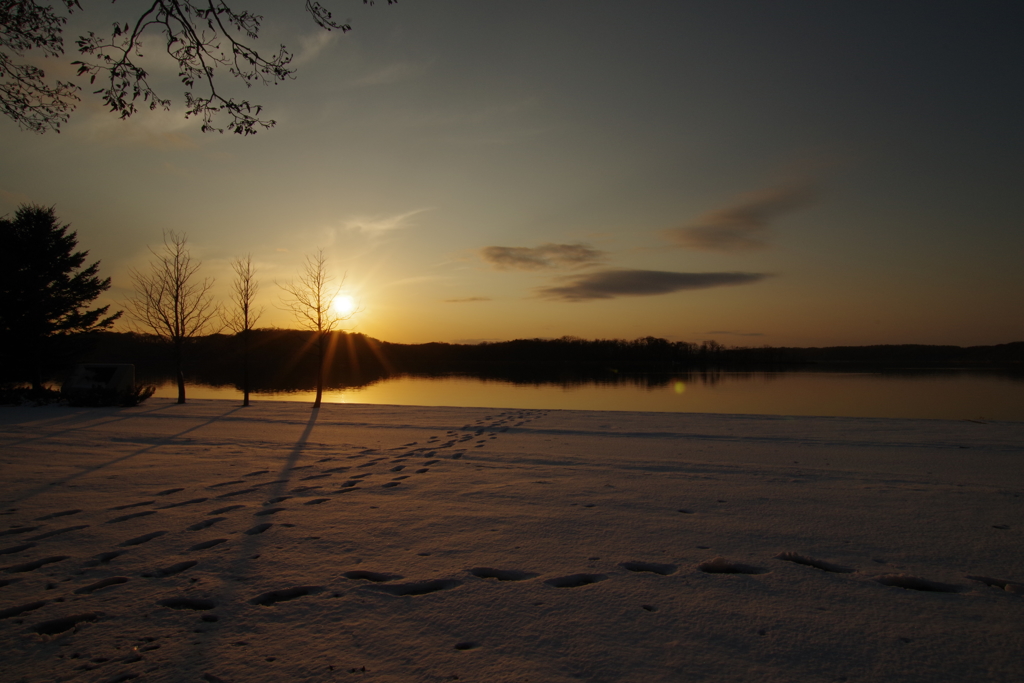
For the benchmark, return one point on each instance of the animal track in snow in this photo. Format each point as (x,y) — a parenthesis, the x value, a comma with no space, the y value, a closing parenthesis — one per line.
(173,569)
(208,544)
(273,597)
(575,580)
(198,604)
(375,577)
(168,492)
(54,515)
(133,505)
(501,574)
(316,501)
(389,484)
(916,583)
(34,565)
(102,558)
(653,567)
(57,532)
(720,565)
(239,492)
(226,483)
(194,501)
(134,515)
(62,624)
(419,587)
(18,530)
(103,583)
(229,508)
(813,562)
(17,549)
(268,511)
(139,540)
(206,523)
(256,473)
(258,529)
(21,609)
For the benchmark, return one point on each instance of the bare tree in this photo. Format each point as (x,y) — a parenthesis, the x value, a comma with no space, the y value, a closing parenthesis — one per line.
(169,301)
(311,301)
(203,37)
(243,316)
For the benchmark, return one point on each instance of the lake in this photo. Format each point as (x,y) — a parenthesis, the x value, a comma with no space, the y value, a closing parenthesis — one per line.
(945,394)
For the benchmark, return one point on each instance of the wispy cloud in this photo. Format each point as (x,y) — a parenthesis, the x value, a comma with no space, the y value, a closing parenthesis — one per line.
(467,300)
(311,45)
(375,225)
(609,284)
(538,258)
(738,227)
(736,334)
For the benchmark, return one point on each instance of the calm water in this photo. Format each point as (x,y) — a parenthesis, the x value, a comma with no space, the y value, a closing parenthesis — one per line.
(939,394)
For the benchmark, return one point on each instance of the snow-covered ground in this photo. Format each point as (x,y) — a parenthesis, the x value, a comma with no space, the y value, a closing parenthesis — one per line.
(209,542)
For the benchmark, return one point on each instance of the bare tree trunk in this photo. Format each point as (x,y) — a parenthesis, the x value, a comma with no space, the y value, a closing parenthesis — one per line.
(319,370)
(245,368)
(178,370)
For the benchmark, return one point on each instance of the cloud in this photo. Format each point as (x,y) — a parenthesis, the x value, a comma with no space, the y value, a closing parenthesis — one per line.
(544,256)
(736,227)
(311,45)
(608,284)
(375,225)
(467,300)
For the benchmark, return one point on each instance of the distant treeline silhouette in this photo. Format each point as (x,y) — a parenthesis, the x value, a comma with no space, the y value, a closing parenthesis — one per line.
(285,360)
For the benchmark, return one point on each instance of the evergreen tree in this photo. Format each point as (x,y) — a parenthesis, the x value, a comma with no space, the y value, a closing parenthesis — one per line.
(44,292)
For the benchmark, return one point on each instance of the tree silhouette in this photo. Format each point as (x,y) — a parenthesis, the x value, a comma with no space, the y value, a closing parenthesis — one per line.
(243,316)
(170,302)
(44,290)
(201,36)
(311,300)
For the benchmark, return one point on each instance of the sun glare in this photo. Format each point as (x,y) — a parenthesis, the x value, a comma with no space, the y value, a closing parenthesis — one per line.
(344,305)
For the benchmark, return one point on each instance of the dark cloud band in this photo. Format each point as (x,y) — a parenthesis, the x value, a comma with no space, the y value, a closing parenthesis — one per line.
(737,227)
(608,284)
(544,256)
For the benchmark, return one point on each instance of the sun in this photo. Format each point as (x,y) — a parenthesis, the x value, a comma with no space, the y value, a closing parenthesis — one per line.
(343,305)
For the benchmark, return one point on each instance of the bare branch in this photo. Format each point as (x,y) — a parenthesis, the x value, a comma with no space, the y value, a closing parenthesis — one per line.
(202,36)
(168,301)
(243,315)
(25,96)
(311,298)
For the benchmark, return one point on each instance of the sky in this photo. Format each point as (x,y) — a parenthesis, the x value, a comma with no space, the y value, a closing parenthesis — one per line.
(786,173)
